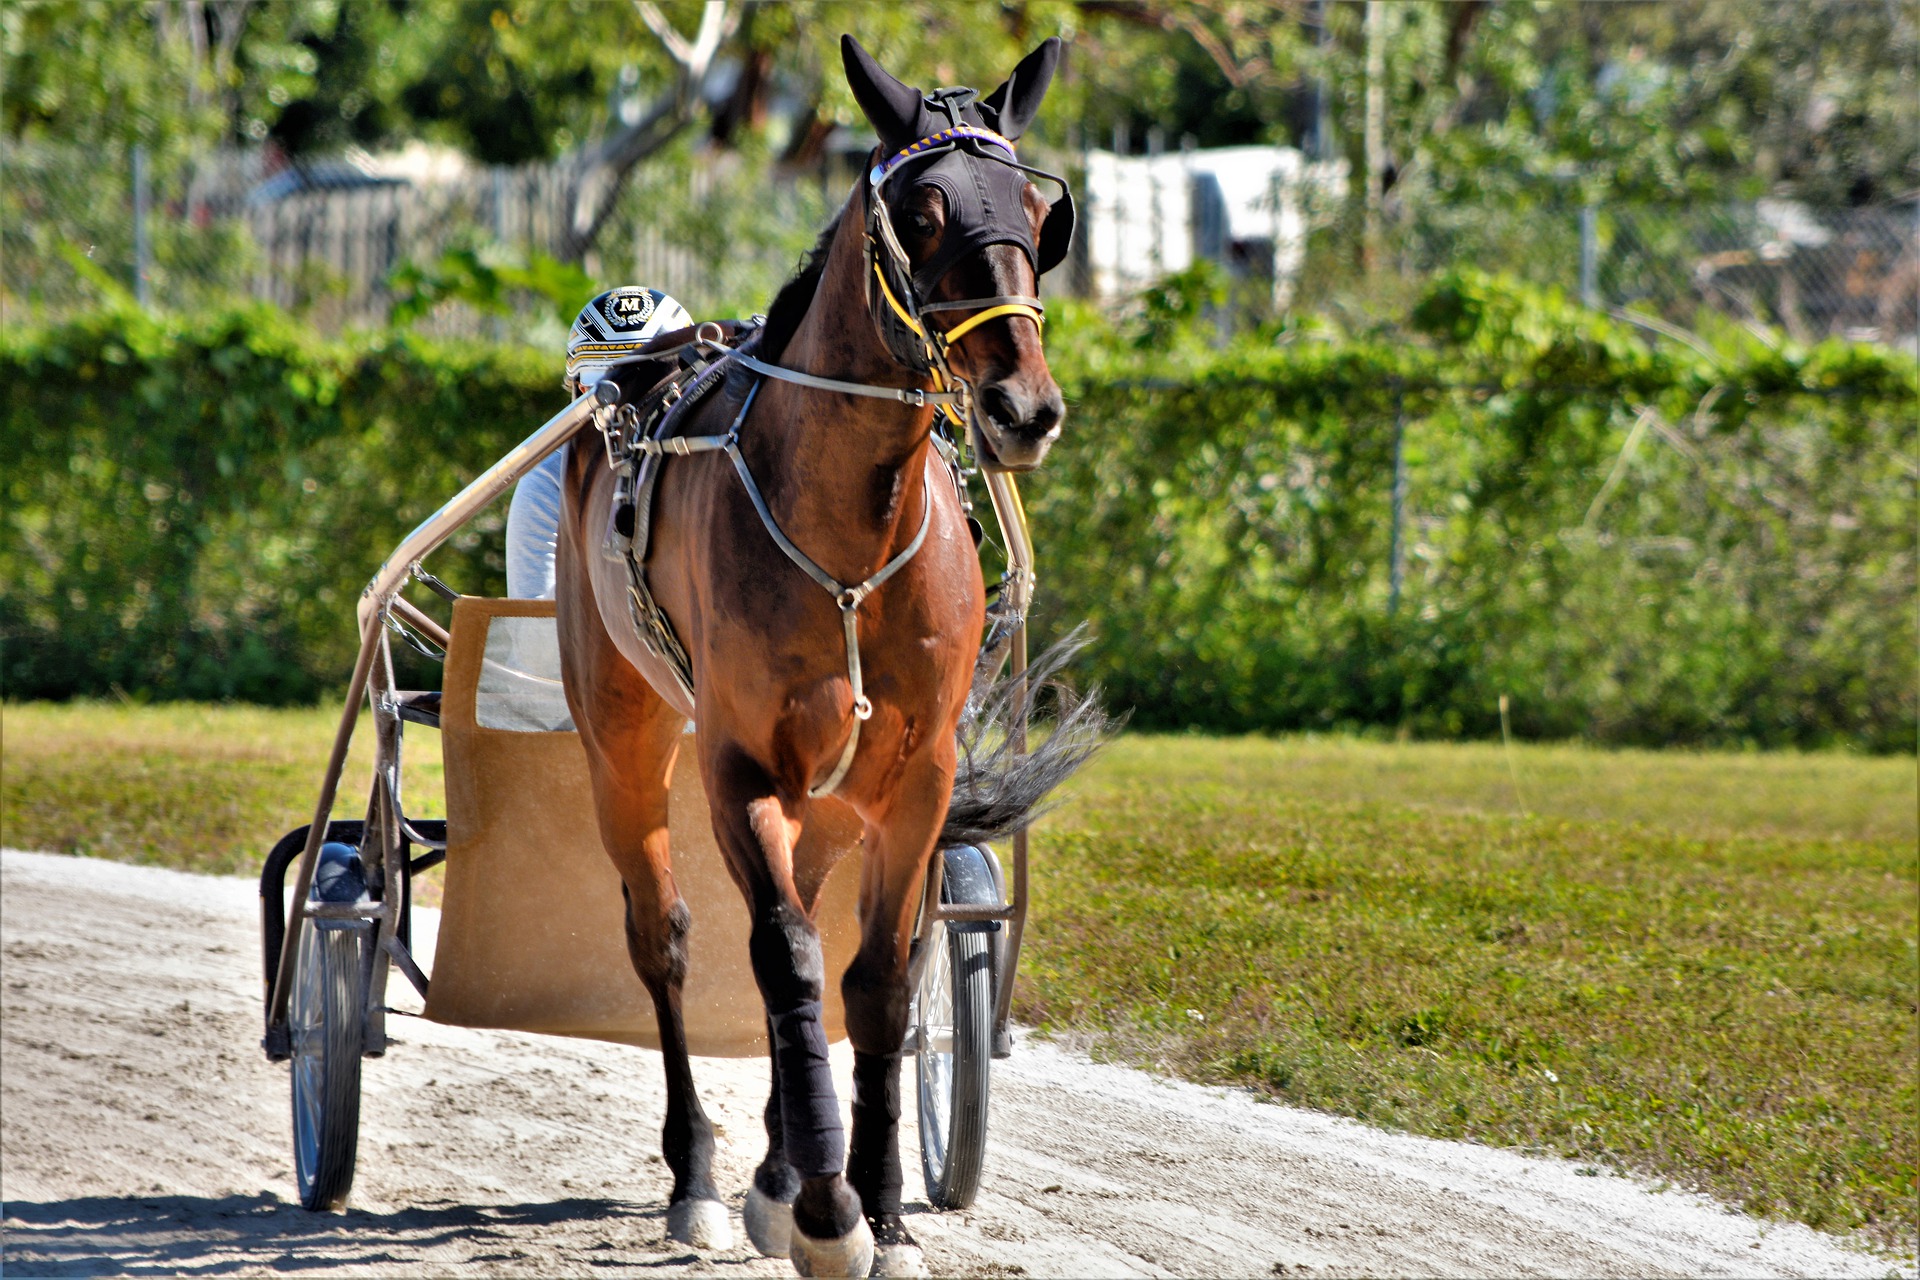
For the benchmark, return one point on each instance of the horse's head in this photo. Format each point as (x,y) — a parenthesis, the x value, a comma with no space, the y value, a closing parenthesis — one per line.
(974,232)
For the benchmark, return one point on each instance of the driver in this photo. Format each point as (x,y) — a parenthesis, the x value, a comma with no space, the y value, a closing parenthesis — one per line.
(614,324)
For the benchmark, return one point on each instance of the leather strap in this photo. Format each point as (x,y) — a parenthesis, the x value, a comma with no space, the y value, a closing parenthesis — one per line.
(967,304)
(973,322)
(914,396)
(847,598)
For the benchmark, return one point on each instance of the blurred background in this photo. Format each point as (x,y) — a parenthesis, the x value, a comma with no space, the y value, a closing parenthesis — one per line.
(1422,354)
(454,161)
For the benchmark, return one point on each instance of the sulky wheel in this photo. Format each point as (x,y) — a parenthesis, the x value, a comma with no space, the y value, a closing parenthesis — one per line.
(953,1018)
(326,1017)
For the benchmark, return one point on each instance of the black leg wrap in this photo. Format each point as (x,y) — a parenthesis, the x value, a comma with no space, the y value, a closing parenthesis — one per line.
(809,1116)
(775,1177)
(874,1169)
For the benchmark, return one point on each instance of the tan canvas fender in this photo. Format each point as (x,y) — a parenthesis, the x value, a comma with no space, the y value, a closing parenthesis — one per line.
(531,934)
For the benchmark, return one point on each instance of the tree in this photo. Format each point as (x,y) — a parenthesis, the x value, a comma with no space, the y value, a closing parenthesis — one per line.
(603,167)
(1480,100)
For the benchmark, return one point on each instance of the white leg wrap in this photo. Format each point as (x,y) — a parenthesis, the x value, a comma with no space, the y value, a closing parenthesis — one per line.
(848,1256)
(700,1223)
(769,1224)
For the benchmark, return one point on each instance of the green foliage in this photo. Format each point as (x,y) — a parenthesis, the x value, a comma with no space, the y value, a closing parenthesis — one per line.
(493,288)
(1700,99)
(97,73)
(1743,573)
(1633,543)
(509,82)
(348,100)
(520,81)
(192,505)
(1814,98)
(1171,308)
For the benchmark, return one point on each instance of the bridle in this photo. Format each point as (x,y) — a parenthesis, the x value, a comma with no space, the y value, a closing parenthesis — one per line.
(894,302)
(894,294)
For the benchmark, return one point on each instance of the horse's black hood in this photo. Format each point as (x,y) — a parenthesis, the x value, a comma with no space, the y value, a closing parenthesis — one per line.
(902,115)
(984,207)
(981,181)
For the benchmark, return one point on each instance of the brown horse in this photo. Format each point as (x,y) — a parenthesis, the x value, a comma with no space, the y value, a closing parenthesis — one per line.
(851,482)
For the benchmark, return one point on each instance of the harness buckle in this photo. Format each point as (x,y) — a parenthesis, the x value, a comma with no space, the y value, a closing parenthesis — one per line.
(848,600)
(862,709)
(915,397)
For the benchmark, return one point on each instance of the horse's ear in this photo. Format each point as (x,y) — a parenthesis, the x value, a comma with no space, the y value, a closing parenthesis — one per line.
(892,108)
(1017,101)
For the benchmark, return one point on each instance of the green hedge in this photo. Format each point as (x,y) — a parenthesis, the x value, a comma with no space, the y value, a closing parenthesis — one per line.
(1749,578)
(192,505)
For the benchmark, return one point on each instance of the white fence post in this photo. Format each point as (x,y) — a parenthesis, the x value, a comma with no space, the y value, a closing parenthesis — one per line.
(142,246)
(1589,254)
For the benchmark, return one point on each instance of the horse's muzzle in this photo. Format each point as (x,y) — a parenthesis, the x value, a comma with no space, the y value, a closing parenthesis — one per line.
(1020,423)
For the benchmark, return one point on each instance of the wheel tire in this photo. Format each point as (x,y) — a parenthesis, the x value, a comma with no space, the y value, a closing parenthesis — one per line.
(953,1014)
(326,1017)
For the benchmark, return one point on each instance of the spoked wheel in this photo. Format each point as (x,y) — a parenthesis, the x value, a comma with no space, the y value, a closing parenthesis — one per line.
(327,1019)
(953,1021)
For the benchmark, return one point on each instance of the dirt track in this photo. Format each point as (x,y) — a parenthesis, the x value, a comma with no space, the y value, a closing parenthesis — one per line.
(142,1132)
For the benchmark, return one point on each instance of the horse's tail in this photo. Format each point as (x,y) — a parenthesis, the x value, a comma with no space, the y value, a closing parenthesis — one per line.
(998,790)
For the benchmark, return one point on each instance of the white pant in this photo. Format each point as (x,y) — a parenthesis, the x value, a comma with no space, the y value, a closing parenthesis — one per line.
(533,535)
(533,530)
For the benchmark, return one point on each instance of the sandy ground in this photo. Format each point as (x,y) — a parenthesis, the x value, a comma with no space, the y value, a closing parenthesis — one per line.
(142,1132)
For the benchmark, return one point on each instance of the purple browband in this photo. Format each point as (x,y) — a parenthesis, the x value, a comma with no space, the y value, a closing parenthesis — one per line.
(880,171)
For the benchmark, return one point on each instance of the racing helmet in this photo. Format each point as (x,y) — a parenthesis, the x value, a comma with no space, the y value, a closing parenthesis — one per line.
(615,325)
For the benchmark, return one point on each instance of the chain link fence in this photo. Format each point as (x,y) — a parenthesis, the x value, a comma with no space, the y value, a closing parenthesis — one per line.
(344,241)
(1851,273)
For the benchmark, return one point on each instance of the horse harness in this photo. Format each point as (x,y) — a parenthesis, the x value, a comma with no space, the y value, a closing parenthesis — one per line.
(639,437)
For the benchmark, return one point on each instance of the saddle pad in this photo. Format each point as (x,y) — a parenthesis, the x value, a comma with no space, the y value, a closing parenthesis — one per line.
(673,422)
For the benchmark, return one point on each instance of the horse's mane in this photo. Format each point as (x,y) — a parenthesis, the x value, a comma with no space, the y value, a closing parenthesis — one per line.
(789,306)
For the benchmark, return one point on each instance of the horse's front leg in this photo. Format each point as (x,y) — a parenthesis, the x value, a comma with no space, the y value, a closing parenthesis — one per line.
(769,1208)
(757,829)
(899,850)
(631,789)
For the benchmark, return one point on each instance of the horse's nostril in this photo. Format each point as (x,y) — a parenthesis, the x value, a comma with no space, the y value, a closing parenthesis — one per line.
(1000,406)
(1047,414)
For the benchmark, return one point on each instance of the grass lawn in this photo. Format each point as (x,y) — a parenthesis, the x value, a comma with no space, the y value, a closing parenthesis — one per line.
(1698,966)
(188,785)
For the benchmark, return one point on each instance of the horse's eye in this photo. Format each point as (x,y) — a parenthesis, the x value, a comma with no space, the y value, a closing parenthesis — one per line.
(922,225)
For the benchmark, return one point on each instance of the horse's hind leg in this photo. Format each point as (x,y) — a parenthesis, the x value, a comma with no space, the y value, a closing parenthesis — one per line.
(757,830)
(630,788)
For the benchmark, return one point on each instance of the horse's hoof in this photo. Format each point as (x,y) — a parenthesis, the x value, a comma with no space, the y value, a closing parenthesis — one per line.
(700,1223)
(900,1262)
(769,1223)
(847,1256)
